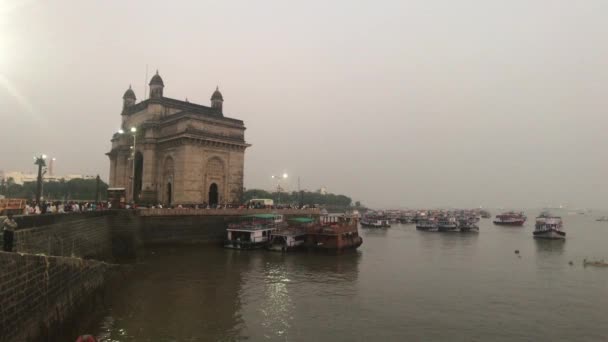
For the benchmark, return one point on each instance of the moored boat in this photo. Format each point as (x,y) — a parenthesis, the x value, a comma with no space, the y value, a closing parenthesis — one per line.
(375,221)
(467,225)
(334,234)
(510,219)
(253,231)
(426,224)
(406,219)
(292,237)
(447,224)
(549,227)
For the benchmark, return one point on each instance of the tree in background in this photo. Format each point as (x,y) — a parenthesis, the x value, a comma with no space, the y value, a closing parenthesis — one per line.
(307,198)
(74,189)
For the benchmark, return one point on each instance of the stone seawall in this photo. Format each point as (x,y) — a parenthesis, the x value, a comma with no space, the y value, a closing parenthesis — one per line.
(32,221)
(117,233)
(181,229)
(38,293)
(224,212)
(84,236)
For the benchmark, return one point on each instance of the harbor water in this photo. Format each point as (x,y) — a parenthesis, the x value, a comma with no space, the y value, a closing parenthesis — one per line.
(401,285)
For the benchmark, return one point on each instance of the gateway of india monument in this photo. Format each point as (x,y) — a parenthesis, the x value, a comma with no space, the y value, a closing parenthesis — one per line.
(176,152)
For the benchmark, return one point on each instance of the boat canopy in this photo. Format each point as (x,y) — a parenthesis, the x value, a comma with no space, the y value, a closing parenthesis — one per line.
(263,216)
(302,219)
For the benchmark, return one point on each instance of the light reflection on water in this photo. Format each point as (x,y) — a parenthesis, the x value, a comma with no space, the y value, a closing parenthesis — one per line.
(402,284)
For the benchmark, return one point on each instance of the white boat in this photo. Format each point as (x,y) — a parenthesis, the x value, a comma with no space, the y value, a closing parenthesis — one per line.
(375,222)
(549,227)
(253,232)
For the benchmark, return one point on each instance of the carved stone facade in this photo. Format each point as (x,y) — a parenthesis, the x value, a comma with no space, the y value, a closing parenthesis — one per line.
(177,152)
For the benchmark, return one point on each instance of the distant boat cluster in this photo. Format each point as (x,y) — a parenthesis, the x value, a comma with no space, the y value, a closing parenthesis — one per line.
(428,220)
(547,226)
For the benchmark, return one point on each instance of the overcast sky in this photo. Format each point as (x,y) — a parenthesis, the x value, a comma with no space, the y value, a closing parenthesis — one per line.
(395,103)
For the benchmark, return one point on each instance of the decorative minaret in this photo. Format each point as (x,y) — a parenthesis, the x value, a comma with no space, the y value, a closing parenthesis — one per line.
(128,99)
(156,86)
(217,100)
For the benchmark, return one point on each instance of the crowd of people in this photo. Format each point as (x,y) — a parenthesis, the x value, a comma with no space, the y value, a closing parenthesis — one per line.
(59,207)
(205,205)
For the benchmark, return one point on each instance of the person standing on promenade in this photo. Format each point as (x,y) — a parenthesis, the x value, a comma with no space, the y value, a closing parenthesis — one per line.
(8,226)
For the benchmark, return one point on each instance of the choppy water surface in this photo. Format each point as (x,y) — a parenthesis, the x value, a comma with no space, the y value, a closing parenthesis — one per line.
(402,284)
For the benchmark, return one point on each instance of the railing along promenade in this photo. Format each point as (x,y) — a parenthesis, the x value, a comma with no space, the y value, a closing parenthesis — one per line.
(224,212)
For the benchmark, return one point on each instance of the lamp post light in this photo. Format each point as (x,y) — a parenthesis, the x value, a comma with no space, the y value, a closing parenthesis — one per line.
(133,184)
(40,161)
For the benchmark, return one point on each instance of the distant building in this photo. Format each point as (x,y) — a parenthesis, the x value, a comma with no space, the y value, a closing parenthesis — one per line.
(323,190)
(183,152)
(24,177)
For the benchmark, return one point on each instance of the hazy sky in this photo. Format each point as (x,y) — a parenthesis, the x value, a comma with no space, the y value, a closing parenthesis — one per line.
(395,103)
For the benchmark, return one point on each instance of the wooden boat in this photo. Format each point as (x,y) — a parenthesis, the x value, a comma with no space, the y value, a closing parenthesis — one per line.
(334,234)
(601,263)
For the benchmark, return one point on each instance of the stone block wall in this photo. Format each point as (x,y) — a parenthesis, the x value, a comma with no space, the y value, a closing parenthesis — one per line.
(182,229)
(226,212)
(84,237)
(31,221)
(38,293)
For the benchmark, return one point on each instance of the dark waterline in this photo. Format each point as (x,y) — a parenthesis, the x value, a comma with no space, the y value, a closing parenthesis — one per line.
(402,284)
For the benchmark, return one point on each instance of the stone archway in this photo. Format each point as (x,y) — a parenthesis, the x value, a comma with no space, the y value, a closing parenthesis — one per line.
(213,195)
(215,181)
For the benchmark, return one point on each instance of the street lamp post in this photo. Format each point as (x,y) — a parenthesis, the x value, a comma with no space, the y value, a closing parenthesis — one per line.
(40,161)
(133,185)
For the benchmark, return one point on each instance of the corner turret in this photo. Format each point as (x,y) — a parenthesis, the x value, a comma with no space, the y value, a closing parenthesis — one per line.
(156,86)
(217,100)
